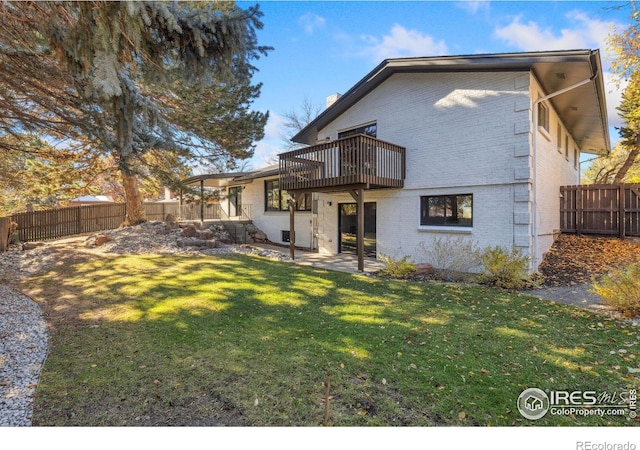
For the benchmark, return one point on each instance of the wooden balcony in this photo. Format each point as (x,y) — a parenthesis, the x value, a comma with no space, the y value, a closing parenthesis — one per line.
(352,162)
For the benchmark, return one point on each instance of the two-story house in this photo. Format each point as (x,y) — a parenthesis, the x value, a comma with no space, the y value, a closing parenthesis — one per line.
(474,146)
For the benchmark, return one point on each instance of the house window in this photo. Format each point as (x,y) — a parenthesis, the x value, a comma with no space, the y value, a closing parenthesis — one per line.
(559,138)
(543,117)
(576,158)
(278,200)
(566,147)
(447,210)
(368,130)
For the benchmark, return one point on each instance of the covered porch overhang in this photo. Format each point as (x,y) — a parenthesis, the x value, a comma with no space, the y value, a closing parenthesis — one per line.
(215,180)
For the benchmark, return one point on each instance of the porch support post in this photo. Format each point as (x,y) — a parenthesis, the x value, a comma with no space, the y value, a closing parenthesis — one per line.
(358,196)
(292,227)
(202,201)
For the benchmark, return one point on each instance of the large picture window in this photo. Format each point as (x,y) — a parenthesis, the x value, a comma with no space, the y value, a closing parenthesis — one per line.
(278,200)
(447,210)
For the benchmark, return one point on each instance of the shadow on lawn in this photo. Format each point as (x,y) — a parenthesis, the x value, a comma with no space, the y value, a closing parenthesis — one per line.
(239,340)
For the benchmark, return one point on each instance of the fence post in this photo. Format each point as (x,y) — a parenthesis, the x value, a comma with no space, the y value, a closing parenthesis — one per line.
(621,211)
(579,217)
(79,219)
(5,228)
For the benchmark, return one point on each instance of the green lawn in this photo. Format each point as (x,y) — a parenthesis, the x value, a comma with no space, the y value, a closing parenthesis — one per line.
(239,340)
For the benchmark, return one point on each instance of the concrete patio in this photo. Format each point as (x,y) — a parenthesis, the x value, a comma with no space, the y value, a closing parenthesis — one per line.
(344,262)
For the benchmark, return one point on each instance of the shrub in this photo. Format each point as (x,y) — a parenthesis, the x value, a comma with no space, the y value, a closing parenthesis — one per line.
(397,268)
(452,258)
(620,288)
(507,269)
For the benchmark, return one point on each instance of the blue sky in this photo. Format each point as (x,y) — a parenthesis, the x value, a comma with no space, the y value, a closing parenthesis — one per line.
(324,47)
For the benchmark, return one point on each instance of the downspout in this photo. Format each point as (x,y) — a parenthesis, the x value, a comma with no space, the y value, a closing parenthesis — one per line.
(535,149)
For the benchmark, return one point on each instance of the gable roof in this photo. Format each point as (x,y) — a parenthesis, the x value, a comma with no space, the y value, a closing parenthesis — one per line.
(582,110)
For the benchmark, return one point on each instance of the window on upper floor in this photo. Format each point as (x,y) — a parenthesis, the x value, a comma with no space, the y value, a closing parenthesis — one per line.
(576,158)
(543,116)
(447,210)
(566,147)
(370,129)
(278,200)
(559,138)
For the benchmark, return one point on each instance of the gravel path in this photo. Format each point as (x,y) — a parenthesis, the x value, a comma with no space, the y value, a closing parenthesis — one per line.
(23,348)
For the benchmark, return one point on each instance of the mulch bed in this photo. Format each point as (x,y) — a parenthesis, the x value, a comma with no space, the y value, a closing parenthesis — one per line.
(574,259)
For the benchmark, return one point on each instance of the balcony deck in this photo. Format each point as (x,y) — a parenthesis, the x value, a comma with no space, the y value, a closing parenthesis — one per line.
(353,162)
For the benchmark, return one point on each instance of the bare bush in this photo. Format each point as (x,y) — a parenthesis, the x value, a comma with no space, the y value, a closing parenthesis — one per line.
(452,257)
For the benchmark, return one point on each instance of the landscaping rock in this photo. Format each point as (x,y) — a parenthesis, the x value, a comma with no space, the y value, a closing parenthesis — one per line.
(260,237)
(189,231)
(424,269)
(205,234)
(102,239)
(170,218)
(32,245)
(194,242)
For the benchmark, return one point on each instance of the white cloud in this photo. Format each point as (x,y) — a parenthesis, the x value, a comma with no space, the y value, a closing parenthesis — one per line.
(266,153)
(584,33)
(402,42)
(473,6)
(311,22)
(613,93)
(268,148)
(274,127)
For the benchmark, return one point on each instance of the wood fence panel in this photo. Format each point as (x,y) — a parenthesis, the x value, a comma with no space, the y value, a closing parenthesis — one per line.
(101,217)
(155,210)
(601,209)
(632,210)
(48,224)
(62,222)
(191,211)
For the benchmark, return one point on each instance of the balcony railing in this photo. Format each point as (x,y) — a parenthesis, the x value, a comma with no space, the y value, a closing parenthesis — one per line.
(356,160)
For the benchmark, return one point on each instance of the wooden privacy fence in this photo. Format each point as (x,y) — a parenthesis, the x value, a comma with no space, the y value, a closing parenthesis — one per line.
(607,209)
(61,222)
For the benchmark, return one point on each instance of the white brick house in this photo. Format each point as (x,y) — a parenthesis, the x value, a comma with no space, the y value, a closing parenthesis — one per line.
(485,141)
